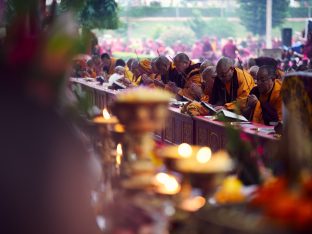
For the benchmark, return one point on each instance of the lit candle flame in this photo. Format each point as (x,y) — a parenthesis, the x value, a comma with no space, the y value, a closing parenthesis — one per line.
(203,155)
(167,183)
(193,204)
(185,150)
(119,154)
(106,115)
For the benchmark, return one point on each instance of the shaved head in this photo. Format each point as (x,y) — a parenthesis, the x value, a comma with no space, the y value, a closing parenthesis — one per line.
(225,63)
(162,64)
(204,65)
(181,57)
(181,62)
(225,69)
(134,64)
(209,72)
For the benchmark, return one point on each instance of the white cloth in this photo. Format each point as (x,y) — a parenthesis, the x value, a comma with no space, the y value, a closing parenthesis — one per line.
(114,77)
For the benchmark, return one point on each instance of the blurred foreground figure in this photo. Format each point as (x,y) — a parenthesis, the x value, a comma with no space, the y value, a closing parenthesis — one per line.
(43,172)
(44,183)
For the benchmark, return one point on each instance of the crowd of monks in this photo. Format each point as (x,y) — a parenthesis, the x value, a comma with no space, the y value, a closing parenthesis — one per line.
(252,90)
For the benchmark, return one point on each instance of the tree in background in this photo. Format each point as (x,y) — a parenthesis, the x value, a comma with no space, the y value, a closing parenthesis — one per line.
(304,3)
(91,14)
(253,14)
(219,27)
(197,24)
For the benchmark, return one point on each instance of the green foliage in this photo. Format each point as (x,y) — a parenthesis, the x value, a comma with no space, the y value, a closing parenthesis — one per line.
(175,34)
(253,14)
(198,24)
(122,29)
(219,27)
(93,13)
(299,12)
(17,8)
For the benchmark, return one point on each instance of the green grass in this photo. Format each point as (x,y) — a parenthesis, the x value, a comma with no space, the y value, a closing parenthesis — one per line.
(154,29)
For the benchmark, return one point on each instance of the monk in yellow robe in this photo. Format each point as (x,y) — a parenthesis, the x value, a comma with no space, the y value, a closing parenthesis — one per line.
(108,63)
(166,71)
(190,75)
(144,72)
(128,72)
(264,103)
(155,75)
(231,87)
(90,69)
(141,69)
(203,93)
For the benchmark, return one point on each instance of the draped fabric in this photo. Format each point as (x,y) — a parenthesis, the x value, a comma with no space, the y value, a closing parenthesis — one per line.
(235,93)
(269,107)
(191,76)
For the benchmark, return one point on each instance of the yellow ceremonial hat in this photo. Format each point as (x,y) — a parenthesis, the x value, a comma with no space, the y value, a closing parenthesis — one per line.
(145,64)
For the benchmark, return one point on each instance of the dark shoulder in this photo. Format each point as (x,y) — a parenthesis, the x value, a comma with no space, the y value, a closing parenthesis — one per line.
(192,67)
(255,91)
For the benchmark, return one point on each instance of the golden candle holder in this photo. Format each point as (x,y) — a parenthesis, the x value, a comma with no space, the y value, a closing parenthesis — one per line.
(104,123)
(141,111)
(199,167)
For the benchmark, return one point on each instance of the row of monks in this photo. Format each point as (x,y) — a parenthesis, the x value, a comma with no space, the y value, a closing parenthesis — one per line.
(254,93)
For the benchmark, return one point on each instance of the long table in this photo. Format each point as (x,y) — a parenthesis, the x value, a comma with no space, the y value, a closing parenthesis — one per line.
(179,127)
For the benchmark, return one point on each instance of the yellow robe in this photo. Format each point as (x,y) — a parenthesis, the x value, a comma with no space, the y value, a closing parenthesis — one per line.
(275,102)
(145,65)
(245,85)
(112,66)
(129,75)
(192,77)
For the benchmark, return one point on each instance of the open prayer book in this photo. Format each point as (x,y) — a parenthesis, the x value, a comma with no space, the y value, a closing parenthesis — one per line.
(224,114)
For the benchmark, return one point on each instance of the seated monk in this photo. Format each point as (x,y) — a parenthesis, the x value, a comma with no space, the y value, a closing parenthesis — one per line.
(80,68)
(118,74)
(108,64)
(170,76)
(190,75)
(144,72)
(264,103)
(120,62)
(141,71)
(204,65)
(128,72)
(90,69)
(148,79)
(97,65)
(261,61)
(155,75)
(195,108)
(231,87)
